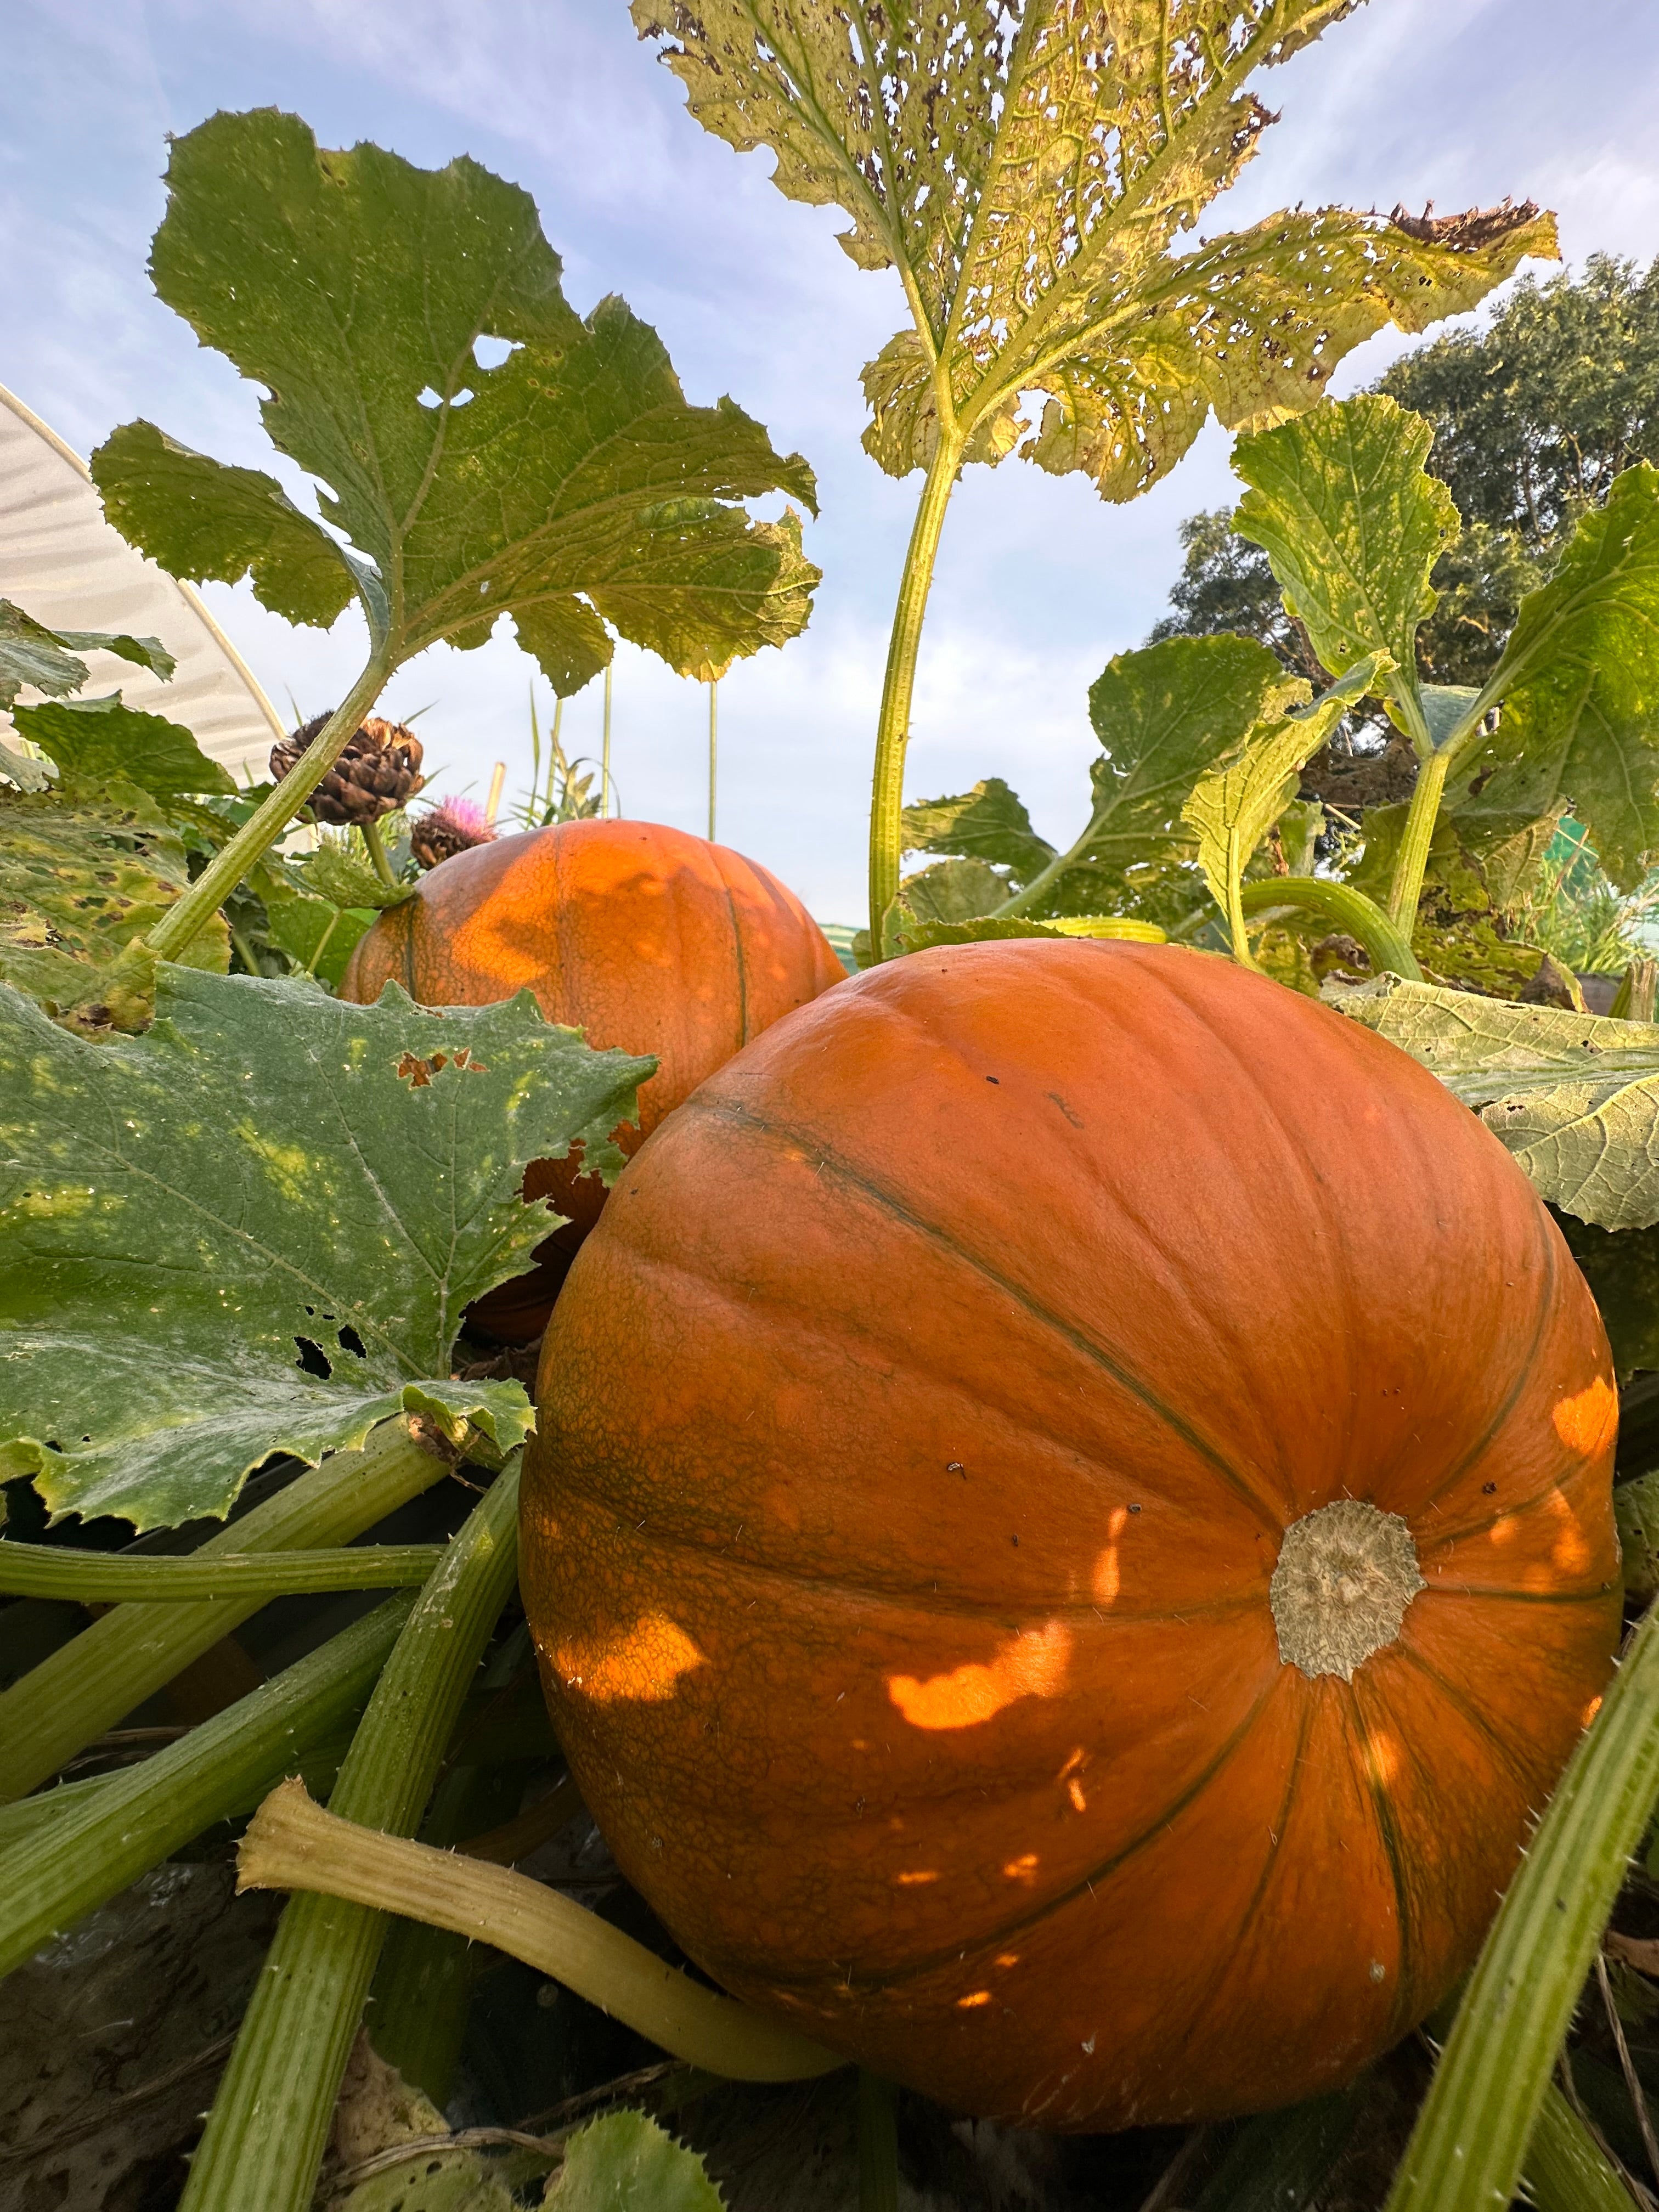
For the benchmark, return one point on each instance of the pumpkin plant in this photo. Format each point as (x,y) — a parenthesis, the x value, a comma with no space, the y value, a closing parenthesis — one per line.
(1030,171)
(477,449)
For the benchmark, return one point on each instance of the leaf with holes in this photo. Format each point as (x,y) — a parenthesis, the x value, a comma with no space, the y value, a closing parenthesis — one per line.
(482,450)
(254,1230)
(1028,171)
(1574,1097)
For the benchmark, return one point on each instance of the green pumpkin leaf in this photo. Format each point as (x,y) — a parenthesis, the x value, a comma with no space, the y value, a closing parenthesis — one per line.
(200,518)
(952,890)
(1574,1097)
(1028,172)
(93,741)
(1636,1510)
(569,484)
(626,2163)
(79,877)
(1621,1266)
(1232,807)
(1579,680)
(988,824)
(1164,716)
(334,872)
(49,659)
(181,1212)
(1352,523)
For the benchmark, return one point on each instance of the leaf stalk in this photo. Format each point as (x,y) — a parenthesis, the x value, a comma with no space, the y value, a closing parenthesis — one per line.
(41,1570)
(265,2136)
(1388,948)
(293,1844)
(893,727)
(181,924)
(1411,862)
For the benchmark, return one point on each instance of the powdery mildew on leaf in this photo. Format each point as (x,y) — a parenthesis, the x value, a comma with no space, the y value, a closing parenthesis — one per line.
(1027,167)
(1574,1097)
(268,1182)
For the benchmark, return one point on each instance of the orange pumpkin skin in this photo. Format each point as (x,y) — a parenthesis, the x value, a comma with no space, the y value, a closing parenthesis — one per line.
(643,936)
(919,1433)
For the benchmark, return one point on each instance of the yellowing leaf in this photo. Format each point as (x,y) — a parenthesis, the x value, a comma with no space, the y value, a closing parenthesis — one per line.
(254,1230)
(1027,169)
(1234,806)
(1574,1097)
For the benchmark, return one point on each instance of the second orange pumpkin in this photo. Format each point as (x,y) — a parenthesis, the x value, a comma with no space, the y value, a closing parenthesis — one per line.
(643,936)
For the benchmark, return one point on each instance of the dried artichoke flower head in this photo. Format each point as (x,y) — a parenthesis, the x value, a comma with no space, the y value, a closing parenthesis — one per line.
(379,770)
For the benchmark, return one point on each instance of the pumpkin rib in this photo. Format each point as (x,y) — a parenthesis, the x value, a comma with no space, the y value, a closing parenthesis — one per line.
(1471,1712)
(1460,1592)
(893,1207)
(1264,1883)
(737,961)
(1044,1908)
(808,1326)
(1367,1762)
(1464,1530)
(1523,1381)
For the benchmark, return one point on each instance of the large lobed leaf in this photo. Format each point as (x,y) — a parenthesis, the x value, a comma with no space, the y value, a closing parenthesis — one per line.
(182,1212)
(1234,806)
(93,741)
(569,484)
(1027,168)
(1574,1097)
(1580,684)
(626,2161)
(1352,523)
(987,823)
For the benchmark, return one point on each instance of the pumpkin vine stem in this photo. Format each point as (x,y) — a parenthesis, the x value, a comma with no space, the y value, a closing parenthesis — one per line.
(376,846)
(67,1702)
(1387,946)
(293,1844)
(898,685)
(265,2136)
(1411,862)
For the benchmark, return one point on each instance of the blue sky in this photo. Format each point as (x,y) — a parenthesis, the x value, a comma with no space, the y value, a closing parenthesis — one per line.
(1456,100)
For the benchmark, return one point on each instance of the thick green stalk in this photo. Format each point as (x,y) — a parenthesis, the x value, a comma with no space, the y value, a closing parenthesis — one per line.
(180,923)
(1347,908)
(1412,857)
(112,1578)
(131,1821)
(68,1701)
(1473,2132)
(266,2133)
(1566,2171)
(893,729)
(878,2145)
(294,1844)
(377,854)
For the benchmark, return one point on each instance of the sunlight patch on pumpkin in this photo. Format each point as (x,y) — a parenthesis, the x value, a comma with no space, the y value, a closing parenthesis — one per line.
(1107,1579)
(1022,1870)
(1031,1664)
(643,1665)
(913,1879)
(1588,1421)
(973,1997)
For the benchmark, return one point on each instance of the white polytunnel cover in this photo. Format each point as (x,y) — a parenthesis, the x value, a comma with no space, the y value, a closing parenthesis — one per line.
(62,562)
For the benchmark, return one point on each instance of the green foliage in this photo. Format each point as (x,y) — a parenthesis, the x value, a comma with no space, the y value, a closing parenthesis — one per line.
(626,2163)
(1351,524)
(988,824)
(1579,680)
(1234,804)
(79,876)
(267,1168)
(1574,1097)
(571,485)
(94,741)
(49,659)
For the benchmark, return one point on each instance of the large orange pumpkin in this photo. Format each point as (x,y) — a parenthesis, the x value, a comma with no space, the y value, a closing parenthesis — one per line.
(1070,1531)
(642,936)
